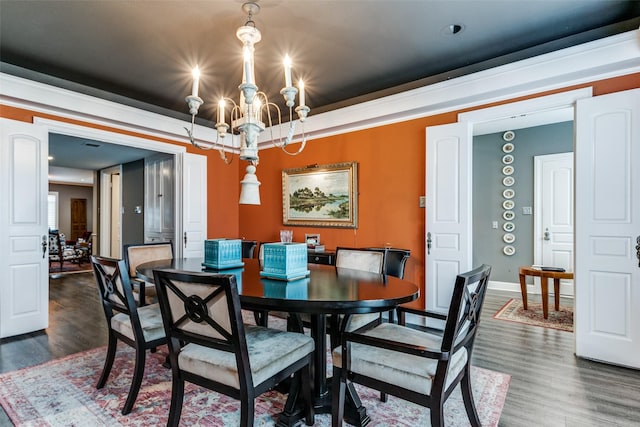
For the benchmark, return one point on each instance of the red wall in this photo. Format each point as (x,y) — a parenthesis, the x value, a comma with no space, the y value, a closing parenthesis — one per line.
(391,162)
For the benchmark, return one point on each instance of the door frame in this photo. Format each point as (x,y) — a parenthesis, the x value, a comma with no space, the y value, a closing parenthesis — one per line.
(131,141)
(532,111)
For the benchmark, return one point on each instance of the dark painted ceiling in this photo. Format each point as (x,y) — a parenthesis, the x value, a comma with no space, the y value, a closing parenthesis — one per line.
(141,52)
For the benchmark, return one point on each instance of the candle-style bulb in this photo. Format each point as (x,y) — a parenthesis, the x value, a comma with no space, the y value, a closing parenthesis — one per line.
(302,96)
(287,71)
(221,105)
(196,81)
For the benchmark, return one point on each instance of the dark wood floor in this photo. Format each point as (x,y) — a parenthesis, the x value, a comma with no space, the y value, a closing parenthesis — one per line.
(549,387)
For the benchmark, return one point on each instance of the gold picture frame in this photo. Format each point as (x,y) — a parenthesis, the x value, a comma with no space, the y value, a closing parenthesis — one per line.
(321,196)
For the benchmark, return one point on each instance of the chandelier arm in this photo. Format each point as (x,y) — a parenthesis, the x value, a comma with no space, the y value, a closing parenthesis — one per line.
(196,144)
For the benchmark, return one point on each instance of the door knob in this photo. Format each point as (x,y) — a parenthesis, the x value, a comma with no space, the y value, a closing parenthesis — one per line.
(428,243)
(638,250)
(547,235)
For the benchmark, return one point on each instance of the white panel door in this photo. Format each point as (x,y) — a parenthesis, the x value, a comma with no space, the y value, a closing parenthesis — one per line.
(448,210)
(607,274)
(24,288)
(194,219)
(553,201)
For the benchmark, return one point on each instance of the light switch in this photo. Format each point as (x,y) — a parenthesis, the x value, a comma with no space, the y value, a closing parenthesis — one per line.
(494,224)
(423,201)
(526,210)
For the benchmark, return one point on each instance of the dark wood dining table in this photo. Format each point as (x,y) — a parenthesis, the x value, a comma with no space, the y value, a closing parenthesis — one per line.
(327,290)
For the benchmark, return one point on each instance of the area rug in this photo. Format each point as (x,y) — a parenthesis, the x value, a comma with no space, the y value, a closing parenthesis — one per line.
(68,268)
(513,311)
(62,393)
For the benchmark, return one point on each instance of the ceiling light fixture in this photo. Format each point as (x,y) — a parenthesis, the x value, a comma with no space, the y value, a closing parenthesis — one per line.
(246,117)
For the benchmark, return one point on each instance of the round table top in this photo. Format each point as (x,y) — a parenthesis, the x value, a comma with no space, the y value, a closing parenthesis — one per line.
(327,290)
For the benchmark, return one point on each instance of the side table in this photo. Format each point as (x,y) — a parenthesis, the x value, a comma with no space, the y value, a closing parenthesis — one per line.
(544,276)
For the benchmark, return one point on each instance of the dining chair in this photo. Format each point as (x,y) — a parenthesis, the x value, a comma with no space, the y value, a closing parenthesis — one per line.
(136,254)
(413,363)
(395,261)
(249,248)
(362,259)
(139,327)
(211,347)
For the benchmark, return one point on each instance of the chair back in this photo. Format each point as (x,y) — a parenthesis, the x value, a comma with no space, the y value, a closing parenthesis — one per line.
(464,312)
(115,290)
(371,260)
(203,309)
(395,261)
(134,255)
(249,248)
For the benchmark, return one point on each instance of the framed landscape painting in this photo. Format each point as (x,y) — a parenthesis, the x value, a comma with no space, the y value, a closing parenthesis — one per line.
(321,196)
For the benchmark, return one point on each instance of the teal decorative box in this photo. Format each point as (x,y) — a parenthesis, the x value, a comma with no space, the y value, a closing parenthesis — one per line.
(294,289)
(220,254)
(285,261)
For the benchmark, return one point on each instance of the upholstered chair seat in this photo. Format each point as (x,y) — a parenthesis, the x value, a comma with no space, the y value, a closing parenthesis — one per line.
(406,370)
(150,322)
(270,351)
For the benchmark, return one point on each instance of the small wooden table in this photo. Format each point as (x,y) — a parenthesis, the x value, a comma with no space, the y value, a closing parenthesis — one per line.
(544,276)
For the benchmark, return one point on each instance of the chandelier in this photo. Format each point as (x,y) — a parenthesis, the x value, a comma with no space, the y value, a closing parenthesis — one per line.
(252,114)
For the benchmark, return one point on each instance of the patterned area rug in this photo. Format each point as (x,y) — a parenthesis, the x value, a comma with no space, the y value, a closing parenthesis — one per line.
(514,311)
(68,268)
(62,393)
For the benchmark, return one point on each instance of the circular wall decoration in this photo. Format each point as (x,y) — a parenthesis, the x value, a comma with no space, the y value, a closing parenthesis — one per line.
(507,159)
(507,170)
(508,226)
(509,250)
(508,181)
(509,238)
(508,215)
(508,135)
(508,204)
(508,147)
(509,193)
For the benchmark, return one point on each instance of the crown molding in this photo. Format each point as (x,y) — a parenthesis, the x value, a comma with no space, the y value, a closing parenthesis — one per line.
(609,57)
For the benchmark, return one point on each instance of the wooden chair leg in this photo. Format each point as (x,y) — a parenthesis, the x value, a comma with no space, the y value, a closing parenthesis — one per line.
(138,372)
(305,379)
(337,397)
(108,362)
(467,397)
(177,395)
(246,410)
(556,293)
(437,413)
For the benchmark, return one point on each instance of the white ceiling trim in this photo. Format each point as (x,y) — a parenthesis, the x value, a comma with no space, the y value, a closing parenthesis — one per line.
(609,57)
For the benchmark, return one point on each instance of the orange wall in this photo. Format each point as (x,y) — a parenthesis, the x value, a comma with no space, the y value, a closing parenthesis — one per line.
(391,178)
(391,162)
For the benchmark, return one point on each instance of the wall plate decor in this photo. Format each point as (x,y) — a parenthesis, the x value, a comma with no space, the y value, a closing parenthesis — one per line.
(509,250)
(509,135)
(508,181)
(508,226)
(507,159)
(509,238)
(507,170)
(508,204)
(508,147)
(509,193)
(508,215)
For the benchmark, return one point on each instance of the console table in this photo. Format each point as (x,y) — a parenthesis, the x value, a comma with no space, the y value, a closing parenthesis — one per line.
(326,258)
